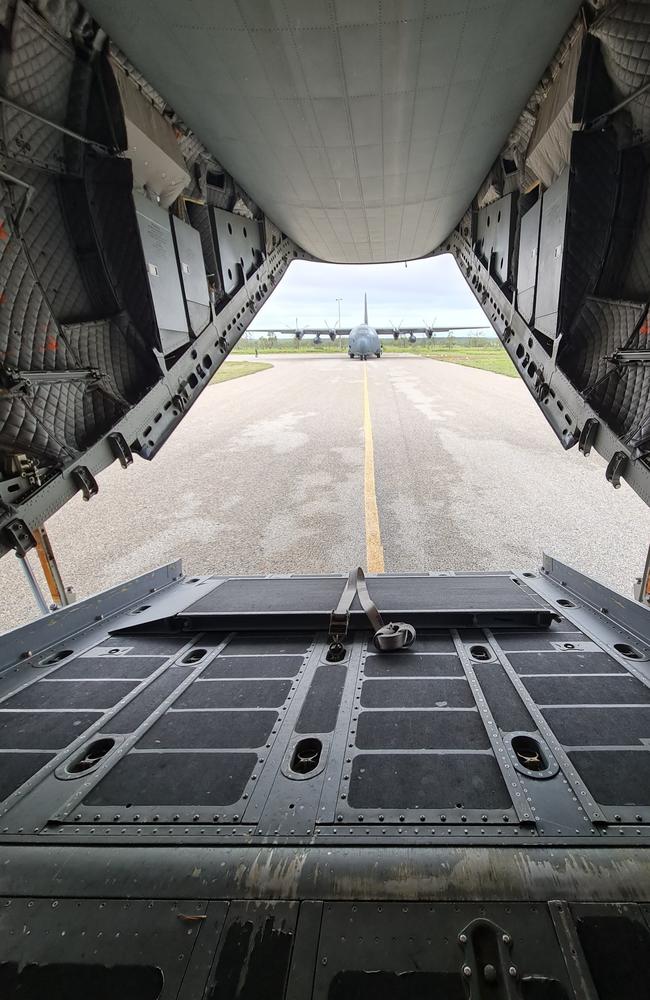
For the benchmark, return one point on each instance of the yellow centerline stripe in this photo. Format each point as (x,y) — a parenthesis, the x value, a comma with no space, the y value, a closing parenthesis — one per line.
(374,548)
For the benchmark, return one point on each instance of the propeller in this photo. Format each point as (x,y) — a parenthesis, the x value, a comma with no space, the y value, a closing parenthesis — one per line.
(297,331)
(330,332)
(429,328)
(396,329)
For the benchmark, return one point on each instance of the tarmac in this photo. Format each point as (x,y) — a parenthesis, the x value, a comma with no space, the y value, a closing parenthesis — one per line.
(269,474)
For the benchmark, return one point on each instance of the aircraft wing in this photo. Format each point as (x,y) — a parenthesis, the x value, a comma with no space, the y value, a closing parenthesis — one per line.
(391,331)
(306,331)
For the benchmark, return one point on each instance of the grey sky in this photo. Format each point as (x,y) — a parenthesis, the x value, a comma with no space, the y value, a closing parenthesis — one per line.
(432,290)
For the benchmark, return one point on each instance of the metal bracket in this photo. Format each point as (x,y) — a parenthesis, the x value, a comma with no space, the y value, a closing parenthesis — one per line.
(22,539)
(121,449)
(85,481)
(588,435)
(180,400)
(567,935)
(630,358)
(497,978)
(615,468)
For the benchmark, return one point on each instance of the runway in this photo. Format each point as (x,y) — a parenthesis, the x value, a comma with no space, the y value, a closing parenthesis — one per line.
(270,474)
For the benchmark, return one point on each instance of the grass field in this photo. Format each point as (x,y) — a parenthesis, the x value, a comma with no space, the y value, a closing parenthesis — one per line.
(489,360)
(489,355)
(237,369)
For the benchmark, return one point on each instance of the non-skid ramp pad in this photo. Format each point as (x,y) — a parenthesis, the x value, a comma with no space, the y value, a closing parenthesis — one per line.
(416,781)
(498,600)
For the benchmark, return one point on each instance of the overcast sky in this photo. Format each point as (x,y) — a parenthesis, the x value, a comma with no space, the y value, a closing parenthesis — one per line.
(430,290)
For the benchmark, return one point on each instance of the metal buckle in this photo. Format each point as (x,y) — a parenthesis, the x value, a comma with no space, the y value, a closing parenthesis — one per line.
(395,635)
(339,623)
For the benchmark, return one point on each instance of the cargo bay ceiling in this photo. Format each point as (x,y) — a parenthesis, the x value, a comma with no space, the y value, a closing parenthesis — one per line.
(163,163)
(363,128)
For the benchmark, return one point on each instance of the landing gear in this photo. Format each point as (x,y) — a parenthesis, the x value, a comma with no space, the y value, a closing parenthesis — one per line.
(378,354)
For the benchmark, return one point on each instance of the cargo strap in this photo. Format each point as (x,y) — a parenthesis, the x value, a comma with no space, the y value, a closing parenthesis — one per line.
(386,638)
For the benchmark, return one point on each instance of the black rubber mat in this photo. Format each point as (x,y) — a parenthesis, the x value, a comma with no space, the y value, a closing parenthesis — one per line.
(421,731)
(436,693)
(587,690)
(148,645)
(412,665)
(43,730)
(615,777)
(506,706)
(427,781)
(137,711)
(617,949)
(254,666)
(235,694)
(110,666)
(583,727)
(535,640)
(277,645)
(76,980)
(433,642)
(70,694)
(210,730)
(378,985)
(492,593)
(565,663)
(16,768)
(321,706)
(169,779)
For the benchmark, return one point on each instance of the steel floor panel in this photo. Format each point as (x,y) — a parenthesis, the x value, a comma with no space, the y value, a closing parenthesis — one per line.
(320,815)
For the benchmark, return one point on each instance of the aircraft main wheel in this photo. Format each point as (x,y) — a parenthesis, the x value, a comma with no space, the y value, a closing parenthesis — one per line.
(378,354)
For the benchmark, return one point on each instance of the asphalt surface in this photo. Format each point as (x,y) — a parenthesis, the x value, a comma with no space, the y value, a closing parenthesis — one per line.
(266,475)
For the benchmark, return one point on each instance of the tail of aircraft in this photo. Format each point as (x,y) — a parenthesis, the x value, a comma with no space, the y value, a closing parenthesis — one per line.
(365,308)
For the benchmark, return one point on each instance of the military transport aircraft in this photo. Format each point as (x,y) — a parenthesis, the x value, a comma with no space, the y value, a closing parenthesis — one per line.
(426,784)
(364,340)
